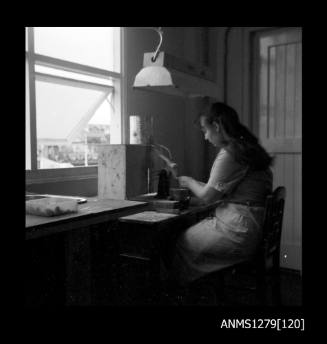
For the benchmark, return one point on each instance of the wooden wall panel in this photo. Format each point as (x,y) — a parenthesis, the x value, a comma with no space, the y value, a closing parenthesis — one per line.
(289,92)
(271,93)
(287,172)
(280,92)
(297,229)
(263,96)
(283,116)
(298,92)
(278,169)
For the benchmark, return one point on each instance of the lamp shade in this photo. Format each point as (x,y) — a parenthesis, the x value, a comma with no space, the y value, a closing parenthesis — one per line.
(153,76)
(172,76)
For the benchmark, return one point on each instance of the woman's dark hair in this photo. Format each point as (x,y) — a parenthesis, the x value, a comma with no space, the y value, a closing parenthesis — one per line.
(240,141)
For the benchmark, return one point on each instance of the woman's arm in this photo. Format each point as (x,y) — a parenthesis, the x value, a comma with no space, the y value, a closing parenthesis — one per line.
(201,190)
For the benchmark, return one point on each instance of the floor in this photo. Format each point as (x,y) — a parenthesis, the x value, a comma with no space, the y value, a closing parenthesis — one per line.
(291,290)
(238,292)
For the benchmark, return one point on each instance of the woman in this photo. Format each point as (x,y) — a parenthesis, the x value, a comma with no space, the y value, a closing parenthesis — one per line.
(241,179)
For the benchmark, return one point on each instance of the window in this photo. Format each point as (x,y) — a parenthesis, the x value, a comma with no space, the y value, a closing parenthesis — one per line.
(73,88)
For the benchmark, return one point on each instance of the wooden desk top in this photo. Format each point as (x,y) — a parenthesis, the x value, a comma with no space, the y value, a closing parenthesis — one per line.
(92,212)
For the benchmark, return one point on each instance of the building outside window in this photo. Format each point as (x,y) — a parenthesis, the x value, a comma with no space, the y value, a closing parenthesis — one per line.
(73,95)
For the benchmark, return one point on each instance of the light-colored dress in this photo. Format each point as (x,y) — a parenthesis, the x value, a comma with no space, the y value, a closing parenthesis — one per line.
(232,233)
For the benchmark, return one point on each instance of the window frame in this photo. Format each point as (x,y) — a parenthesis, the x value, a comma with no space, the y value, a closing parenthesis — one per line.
(35,175)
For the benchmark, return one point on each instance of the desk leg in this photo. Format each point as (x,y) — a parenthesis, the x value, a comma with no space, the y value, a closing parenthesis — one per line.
(78,267)
(154,278)
(44,270)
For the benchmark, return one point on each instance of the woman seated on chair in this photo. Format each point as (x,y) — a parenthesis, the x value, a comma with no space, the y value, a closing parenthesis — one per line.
(241,179)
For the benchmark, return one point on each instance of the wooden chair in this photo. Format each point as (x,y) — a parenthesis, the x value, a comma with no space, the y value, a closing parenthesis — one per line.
(266,261)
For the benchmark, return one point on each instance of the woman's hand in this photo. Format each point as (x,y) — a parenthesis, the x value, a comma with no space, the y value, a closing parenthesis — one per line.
(202,191)
(185,181)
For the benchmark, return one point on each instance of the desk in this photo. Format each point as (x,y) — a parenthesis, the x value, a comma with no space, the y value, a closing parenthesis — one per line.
(148,237)
(67,257)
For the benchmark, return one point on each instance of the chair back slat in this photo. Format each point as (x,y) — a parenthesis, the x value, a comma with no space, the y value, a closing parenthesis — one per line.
(273,221)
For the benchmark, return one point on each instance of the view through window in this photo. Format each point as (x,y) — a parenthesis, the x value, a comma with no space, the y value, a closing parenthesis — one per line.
(75,100)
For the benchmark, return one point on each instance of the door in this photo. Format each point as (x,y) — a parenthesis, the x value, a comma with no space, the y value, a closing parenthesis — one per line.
(279,93)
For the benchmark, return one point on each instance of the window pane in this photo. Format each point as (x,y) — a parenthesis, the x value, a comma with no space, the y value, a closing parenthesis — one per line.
(71,121)
(72,75)
(93,46)
(27,121)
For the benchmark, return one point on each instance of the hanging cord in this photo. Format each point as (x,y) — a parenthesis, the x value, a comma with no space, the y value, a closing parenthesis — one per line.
(160,33)
(155,55)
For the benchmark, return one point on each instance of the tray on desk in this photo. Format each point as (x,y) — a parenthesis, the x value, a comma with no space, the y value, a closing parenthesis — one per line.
(147,217)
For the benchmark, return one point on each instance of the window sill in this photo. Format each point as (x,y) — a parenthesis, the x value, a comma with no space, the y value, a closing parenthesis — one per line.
(60,175)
